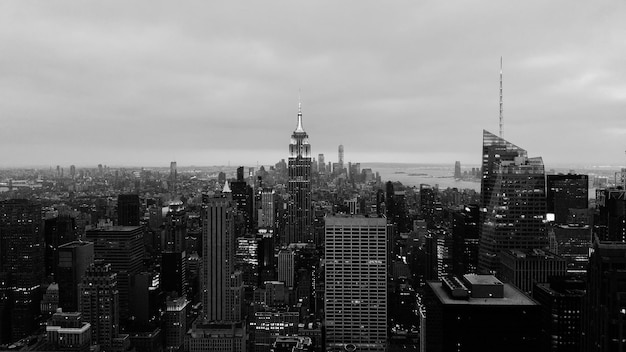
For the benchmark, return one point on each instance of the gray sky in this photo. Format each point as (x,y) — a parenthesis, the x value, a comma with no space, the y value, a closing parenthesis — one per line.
(208,83)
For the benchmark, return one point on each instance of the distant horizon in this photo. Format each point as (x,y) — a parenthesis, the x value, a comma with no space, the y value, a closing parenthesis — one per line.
(234,166)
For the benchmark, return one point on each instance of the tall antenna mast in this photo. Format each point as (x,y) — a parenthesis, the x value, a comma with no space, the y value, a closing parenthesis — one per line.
(501,105)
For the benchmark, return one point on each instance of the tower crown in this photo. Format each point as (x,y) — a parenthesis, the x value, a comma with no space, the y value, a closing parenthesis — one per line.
(299,128)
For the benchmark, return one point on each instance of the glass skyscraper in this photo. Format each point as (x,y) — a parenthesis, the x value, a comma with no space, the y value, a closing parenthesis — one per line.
(513,201)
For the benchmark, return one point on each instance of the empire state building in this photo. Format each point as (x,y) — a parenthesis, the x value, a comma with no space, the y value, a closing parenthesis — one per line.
(299,212)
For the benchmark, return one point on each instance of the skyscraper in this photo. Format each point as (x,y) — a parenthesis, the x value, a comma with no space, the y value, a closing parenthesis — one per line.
(356,283)
(222,286)
(128,210)
(22,259)
(73,260)
(286,267)
(99,303)
(566,193)
(513,201)
(604,309)
(122,247)
(299,211)
(340,158)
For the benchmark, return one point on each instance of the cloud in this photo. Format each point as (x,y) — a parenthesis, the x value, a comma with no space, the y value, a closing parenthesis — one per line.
(414,81)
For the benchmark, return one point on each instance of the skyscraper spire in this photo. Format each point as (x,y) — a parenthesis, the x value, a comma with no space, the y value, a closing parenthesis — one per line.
(299,128)
(501,104)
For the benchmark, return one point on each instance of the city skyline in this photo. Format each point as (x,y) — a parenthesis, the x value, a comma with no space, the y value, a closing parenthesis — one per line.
(212,84)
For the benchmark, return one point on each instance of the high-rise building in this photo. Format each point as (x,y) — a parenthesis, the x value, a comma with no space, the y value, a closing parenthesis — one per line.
(465,240)
(175,319)
(175,228)
(457,170)
(604,310)
(244,201)
(561,302)
(286,267)
(222,286)
(266,218)
(356,283)
(513,201)
(299,210)
(477,313)
(99,303)
(321,164)
(57,231)
(22,259)
(340,165)
(73,260)
(173,179)
(610,220)
(566,193)
(128,210)
(174,273)
(122,247)
(525,268)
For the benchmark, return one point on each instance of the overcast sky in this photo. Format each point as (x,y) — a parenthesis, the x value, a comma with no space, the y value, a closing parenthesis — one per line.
(212,83)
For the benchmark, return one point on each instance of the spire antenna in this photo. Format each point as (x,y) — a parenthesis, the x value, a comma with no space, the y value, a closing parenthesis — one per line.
(501,103)
(299,128)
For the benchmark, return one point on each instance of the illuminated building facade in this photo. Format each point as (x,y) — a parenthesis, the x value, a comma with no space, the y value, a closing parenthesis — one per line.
(513,204)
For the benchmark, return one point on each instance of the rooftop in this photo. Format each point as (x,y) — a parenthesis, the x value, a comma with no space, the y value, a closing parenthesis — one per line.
(512,297)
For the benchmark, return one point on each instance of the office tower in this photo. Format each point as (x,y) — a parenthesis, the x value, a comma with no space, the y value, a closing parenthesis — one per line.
(243,197)
(604,311)
(73,260)
(477,313)
(356,283)
(175,228)
(465,240)
(566,193)
(67,331)
(299,211)
(428,198)
(561,301)
(525,268)
(57,231)
(99,303)
(50,301)
(247,260)
(221,285)
(286,267)
(146,301)
(122,247)
(457,170)
(321,164)
(610,220)
(266,218)
(444,253)
(22,259)
(173,179)
(340,159)
(128,213)
(513,203)
(267,260)
(175,323)
(174,273)
(572,242)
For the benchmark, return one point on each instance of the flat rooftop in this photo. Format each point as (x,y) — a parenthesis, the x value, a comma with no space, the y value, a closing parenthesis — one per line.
(512,297)
(482,280)
(355,220)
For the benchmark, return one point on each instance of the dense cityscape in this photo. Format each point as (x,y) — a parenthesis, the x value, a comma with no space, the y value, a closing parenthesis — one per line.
(310,255)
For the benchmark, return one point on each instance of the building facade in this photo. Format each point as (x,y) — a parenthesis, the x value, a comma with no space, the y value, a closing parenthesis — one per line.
(356,283)
(513,201)
(299,209)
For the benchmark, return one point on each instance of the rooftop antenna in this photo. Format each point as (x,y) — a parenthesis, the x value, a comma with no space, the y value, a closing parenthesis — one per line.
(501,105)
